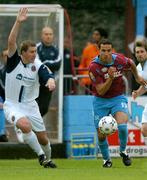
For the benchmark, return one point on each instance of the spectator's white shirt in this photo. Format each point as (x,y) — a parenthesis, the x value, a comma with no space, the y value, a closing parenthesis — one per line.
(142,71)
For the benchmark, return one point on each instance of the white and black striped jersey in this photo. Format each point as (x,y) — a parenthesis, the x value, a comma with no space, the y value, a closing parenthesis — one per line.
(23,80)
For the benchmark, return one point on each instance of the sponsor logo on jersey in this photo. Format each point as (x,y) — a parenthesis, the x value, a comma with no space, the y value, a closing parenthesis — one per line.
(19,76)
(24,78)
(116,74)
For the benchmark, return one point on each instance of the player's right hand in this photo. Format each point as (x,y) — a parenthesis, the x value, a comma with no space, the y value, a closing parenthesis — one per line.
(22,14)
(111,72)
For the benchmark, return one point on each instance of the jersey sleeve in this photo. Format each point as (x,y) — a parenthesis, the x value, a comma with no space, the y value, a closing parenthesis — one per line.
(55,64)
(12,62)
(128,63)
(44,74)
(95,74)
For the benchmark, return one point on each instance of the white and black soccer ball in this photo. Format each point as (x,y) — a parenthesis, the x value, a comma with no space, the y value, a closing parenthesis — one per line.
(107,125)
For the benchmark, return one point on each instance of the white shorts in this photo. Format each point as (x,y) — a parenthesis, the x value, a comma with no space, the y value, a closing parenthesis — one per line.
(144,115)
(15,111)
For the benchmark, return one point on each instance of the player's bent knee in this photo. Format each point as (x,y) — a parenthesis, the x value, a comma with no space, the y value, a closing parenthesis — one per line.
(24,125)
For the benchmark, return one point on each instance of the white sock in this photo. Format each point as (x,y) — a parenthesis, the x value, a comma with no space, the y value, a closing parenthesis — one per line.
(145,140)
(47,151)
(31,139)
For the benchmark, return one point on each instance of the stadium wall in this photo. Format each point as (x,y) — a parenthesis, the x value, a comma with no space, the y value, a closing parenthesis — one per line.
(79,131)
(23,151)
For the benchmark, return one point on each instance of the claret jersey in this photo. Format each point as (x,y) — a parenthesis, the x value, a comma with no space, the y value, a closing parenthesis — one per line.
(98,74)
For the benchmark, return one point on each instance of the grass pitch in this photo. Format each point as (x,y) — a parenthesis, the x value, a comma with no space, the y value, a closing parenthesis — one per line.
(69,169)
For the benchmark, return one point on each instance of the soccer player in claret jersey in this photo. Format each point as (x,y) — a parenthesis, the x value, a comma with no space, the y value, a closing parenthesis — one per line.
(23,75)
(105,72)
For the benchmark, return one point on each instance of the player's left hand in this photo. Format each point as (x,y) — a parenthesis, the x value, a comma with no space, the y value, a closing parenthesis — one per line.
(51,84)
(134,94)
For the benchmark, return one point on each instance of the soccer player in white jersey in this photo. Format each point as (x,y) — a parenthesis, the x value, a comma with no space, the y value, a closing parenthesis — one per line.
(140,50)
(23,75)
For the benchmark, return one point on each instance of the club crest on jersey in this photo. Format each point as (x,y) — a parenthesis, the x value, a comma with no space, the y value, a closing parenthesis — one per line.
(92,77)
(33,68)
(104,69)
(119,66)
(52,53)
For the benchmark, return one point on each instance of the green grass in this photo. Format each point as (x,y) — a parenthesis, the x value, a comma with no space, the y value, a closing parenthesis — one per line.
(73,170)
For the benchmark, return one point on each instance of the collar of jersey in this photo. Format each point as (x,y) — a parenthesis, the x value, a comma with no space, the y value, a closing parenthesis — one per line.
(97,60)
(25,65)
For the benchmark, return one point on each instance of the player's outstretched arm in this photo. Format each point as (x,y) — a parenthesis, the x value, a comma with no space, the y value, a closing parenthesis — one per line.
(22,16)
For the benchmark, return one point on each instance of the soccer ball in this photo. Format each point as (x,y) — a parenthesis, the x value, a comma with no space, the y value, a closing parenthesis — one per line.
(107,125)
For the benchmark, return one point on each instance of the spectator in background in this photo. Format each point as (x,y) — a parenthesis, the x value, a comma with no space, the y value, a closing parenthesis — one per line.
(89,52)
(48,53)
(3,132)
(139,38)
(140,51)
(68,82)
(142,39)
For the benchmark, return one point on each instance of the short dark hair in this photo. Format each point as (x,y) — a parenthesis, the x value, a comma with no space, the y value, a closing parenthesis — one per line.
(25,45)
(102,32)
(142,44)
(104,41)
